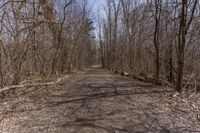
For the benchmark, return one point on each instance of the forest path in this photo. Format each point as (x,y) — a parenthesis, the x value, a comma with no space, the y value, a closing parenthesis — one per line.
(96,101)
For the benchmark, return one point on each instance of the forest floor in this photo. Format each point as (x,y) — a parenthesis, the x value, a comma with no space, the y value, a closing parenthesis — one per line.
(97,101)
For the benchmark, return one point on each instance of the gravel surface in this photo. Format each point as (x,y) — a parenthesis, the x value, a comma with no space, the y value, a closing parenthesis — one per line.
(97,101)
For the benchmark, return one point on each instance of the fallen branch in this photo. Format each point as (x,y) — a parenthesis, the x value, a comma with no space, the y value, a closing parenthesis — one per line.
(34,80)
(32,85)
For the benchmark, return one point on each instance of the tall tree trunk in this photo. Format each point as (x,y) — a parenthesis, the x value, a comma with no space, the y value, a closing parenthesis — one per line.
(183,29)
(158,5)
(181,46)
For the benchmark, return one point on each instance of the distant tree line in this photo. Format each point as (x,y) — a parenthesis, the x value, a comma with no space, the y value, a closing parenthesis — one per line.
(157,39)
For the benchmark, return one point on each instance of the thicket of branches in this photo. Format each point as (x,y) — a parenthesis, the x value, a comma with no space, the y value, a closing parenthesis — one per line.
(156,39)
(43,38)
(152,39)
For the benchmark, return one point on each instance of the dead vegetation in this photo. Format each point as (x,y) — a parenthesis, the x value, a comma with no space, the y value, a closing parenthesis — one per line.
(43,38)
(152,40)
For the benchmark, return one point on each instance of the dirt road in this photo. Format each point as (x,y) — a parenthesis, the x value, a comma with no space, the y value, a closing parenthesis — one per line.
(97,101)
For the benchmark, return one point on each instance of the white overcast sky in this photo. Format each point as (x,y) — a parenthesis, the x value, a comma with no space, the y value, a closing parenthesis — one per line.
(97,7)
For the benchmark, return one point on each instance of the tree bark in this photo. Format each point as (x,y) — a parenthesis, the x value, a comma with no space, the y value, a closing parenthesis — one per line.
(156,40)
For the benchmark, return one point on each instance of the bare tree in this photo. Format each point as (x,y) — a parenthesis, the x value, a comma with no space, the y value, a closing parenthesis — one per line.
(183,29)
